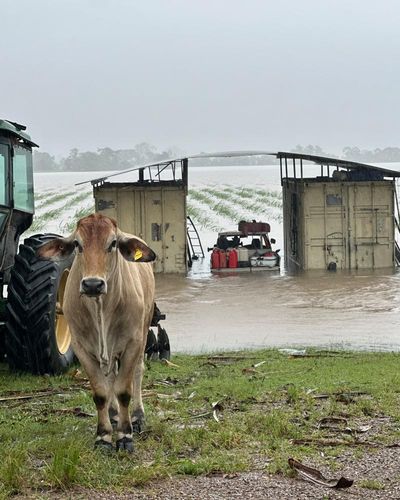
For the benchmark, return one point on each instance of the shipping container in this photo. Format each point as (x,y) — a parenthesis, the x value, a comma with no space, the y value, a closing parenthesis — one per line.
(346,220)
(153,209)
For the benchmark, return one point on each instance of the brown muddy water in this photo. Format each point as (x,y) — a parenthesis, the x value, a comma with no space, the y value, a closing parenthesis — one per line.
(207,312)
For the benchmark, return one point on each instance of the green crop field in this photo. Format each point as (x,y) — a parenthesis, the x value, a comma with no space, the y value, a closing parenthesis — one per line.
(211,207)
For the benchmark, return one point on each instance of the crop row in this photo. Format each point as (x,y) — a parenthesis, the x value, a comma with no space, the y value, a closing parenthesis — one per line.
(234,204)
(210,207)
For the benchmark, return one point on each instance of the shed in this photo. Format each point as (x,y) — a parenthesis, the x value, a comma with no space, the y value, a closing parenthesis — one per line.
(343,216)
(154,208)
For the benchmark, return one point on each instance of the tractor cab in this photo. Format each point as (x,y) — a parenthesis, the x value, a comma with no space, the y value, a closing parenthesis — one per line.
(16,191)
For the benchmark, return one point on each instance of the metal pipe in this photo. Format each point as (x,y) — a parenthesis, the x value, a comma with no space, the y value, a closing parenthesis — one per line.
(294,168)
(301,167)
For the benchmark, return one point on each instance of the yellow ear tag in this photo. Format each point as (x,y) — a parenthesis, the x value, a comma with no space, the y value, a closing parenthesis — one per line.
(138,255)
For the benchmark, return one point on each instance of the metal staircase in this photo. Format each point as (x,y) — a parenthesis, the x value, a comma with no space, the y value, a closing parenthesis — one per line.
(194,246)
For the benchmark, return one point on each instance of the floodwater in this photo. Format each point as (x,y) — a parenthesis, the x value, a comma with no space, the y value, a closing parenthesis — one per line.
(208,312)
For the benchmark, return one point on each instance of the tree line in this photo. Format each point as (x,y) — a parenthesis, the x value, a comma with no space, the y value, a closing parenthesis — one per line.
(122,159)
(102,159)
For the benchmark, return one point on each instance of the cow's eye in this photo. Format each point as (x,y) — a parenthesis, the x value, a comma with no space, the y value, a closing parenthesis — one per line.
(112,245)
(78,246)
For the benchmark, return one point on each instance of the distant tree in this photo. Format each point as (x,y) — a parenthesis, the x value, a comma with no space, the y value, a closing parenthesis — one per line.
(312,150)
(43,162)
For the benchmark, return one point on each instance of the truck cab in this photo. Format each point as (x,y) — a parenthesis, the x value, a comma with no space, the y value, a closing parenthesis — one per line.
(16,191)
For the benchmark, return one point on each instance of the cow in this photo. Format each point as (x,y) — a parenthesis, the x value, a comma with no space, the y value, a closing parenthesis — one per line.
(108,304)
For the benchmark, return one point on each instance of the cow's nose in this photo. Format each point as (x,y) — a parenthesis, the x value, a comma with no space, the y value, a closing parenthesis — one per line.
(93,286)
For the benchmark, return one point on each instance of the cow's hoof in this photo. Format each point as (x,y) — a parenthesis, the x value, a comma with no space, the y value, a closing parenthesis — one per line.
(125,444)
(103,446)
(138,425)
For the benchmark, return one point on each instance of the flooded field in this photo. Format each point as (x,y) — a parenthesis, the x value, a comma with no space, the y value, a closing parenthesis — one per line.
(207,312)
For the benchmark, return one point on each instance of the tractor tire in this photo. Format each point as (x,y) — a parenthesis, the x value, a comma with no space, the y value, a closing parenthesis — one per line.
(38,339)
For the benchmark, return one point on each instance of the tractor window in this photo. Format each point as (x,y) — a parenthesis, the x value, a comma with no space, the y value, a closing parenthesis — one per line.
(23,180)
(3,173)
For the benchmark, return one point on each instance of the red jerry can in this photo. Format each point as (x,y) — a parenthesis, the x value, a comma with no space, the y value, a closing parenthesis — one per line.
(215,259)
(222,258)
(233,259)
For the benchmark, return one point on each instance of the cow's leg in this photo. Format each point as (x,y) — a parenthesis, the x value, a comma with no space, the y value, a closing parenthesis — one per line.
(138,420)
(113,410)
(101,397)
(123,391)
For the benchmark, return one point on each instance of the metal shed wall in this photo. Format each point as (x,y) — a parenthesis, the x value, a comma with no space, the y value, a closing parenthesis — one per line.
(348,223)
(155,213)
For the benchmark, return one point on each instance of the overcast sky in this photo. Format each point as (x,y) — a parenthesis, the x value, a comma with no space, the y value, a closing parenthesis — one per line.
(202,75)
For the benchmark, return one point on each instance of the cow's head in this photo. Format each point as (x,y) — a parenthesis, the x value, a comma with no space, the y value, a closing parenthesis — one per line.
(96,241)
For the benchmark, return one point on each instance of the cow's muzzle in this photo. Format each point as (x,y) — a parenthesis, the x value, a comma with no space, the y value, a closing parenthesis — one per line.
(93,287)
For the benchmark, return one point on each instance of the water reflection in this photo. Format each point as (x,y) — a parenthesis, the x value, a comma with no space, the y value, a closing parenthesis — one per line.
(208,312)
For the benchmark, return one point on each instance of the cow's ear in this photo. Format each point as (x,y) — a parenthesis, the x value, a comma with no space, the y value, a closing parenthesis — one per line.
(135,250)
(57,249)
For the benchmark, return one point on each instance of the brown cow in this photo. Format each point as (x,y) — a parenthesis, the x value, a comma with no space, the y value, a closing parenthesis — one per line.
(108,304)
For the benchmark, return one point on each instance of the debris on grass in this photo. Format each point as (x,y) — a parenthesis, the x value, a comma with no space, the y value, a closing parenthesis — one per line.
(169,363)
(293,352)
(77,411)
(316,477)
(257,365)
(217,407)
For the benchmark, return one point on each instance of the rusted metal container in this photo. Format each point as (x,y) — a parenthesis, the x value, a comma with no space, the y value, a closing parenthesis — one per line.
(341,221)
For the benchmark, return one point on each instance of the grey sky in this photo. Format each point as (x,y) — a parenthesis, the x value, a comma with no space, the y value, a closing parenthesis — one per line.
(202,75)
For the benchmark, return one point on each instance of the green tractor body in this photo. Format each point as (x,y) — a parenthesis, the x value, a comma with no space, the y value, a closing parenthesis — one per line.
(16,192)
(34,336)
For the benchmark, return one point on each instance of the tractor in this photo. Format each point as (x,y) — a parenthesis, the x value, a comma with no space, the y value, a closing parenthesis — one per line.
(34,335)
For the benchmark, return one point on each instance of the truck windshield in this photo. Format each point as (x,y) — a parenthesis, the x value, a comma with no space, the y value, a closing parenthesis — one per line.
(4,162)
(23,179)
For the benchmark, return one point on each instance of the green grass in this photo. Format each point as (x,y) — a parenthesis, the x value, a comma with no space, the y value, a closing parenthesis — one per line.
(372,484)
(45,446)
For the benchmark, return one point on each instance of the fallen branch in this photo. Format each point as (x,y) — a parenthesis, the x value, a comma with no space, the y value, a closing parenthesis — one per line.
(316,477)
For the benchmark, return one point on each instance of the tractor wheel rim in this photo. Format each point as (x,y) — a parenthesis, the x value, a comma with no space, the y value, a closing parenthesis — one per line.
(63,334)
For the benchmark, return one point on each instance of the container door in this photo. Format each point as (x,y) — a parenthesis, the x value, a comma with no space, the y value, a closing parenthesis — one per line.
(325,226)
(371,226)
(174,228)
(164,220)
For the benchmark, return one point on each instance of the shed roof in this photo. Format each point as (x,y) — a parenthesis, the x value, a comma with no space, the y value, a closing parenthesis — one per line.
(337,162)
(319,160)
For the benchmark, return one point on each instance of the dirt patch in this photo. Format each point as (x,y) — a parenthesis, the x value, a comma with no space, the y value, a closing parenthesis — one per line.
(376,476)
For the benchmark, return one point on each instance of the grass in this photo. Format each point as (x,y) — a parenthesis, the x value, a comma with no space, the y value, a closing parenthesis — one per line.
(261,412)
(372,484)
